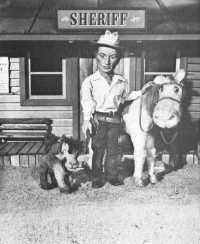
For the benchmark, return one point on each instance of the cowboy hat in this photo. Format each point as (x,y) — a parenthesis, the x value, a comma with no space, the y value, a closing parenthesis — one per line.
(109,40)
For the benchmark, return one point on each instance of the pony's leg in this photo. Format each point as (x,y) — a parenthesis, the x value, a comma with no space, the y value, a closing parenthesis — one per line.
(139,158)
(60,176)
(151,155)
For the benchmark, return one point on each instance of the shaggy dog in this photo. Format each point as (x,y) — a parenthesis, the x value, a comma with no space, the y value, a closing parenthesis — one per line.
(67,169)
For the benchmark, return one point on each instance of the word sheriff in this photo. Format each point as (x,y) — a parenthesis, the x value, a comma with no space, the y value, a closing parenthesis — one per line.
(98,18)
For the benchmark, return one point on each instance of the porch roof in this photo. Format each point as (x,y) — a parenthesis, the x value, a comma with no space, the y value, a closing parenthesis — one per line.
(37,19)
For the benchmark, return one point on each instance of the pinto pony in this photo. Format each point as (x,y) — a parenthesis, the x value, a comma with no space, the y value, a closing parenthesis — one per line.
(160,104)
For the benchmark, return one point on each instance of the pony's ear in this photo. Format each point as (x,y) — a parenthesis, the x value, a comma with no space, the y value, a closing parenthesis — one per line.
(179,75)
(159,80)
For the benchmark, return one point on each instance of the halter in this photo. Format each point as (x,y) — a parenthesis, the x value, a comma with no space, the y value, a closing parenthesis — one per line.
(162,98)
(169,98)
(180,85)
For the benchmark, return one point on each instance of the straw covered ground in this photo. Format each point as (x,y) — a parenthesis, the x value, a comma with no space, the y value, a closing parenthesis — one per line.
(168,212)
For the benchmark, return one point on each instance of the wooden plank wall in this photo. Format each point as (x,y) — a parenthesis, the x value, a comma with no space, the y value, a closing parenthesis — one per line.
(192,65)
(10,106)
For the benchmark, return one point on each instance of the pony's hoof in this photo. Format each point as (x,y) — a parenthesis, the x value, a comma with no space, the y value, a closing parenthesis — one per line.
(153,179)
(139,182)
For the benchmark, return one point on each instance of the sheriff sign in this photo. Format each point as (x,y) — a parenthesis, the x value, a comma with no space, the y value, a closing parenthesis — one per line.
(88,19)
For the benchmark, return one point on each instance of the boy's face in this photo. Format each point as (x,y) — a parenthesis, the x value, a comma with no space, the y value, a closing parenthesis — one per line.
(107,58)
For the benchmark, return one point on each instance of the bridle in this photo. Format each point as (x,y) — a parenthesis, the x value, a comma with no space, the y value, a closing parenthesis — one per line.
(168,97)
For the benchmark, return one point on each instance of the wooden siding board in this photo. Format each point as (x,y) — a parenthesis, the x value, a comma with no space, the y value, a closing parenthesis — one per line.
(119,69)
(132,73)
(73,87)
(62,123)
(31,161)
(195,99)
(193,75)
(15,160)
(195,83)
(194,60)
(195,115)
(26,120)
(1,162)
(16,106)
(68,131)
(24,160)
(14,82)
(24,127)
(196,90)
(194,67)
(138,73)
(15,74)
(14,60)
(36,114)
(194,107)
(14,66)
(9,98)
(85,68)
(23,135)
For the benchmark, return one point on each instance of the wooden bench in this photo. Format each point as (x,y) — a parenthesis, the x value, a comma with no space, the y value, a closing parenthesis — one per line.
(25,129)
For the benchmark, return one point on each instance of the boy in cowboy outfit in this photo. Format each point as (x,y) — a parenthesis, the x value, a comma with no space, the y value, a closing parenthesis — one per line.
(101,95)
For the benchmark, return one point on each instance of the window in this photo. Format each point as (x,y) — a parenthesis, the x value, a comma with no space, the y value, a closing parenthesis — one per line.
(47,80)
(160,60)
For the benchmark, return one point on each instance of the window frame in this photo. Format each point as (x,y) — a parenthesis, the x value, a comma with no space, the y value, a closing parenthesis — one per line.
(27,99)
(146,74)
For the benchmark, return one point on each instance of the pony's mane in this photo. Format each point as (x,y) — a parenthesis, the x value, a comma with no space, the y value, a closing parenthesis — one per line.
(150,98)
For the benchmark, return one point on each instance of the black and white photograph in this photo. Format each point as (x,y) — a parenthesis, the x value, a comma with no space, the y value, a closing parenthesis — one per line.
(99,122)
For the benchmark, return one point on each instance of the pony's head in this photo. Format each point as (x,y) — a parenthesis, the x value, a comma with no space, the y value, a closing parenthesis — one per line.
(167,110)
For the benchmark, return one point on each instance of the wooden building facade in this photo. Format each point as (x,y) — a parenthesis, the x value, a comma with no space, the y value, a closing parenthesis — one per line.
(46,66)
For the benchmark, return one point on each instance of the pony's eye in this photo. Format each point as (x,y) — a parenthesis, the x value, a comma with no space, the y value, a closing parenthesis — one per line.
(176,89)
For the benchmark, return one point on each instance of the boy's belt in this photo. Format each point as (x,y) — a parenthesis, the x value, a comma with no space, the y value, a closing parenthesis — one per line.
(110,117)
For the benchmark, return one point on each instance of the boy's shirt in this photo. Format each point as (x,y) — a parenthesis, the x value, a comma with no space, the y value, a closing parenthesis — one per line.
(98,95)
